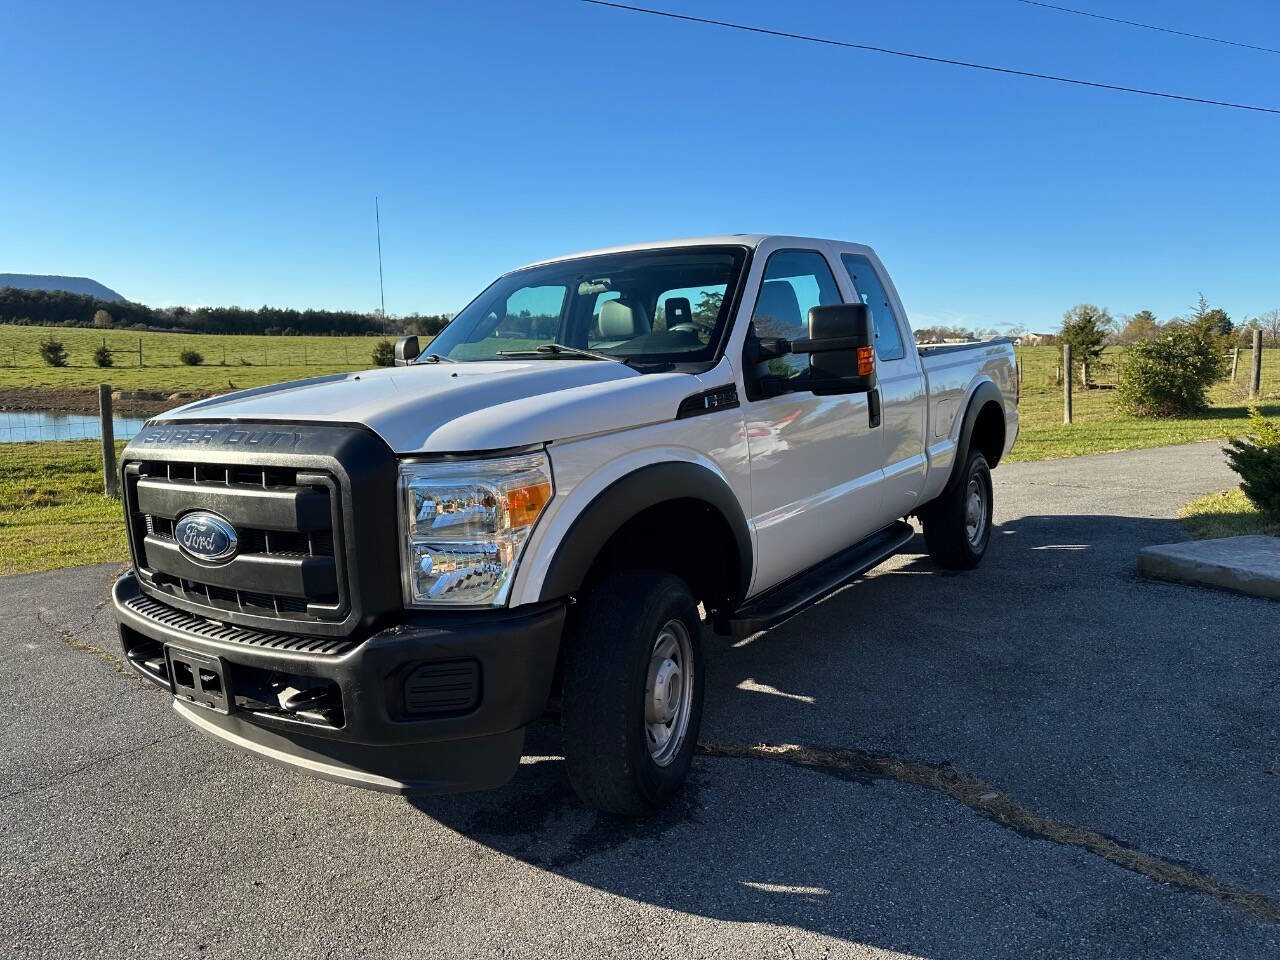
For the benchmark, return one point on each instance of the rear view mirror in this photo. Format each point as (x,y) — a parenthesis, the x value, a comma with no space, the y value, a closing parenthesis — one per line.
(841,348)
(407,351)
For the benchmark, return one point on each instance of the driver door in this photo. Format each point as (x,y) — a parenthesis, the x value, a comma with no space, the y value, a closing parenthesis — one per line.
(816,464)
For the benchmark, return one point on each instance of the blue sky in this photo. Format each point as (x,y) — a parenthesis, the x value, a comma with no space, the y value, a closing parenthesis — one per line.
(230,153)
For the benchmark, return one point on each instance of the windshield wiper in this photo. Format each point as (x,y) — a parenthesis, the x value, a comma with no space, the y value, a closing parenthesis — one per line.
(555,349)
(436,358)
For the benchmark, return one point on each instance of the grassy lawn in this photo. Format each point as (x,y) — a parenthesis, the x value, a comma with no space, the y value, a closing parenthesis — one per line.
(230,361)
(1226,514)
(53,512)
(1098,427)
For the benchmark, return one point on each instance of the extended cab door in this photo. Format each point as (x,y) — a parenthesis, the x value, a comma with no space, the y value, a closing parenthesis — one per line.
(815,460)
(900,382)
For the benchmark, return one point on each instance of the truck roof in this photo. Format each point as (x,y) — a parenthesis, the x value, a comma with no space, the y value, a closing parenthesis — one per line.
(752,240)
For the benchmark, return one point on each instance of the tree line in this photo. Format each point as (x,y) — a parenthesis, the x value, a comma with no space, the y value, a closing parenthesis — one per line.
(1086,322)
(56,308)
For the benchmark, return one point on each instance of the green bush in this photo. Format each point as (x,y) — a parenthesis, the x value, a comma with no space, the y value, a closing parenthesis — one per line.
(1169,376)
(102,356)
(54,353)
(384,354)
(192,358)
(1256,457)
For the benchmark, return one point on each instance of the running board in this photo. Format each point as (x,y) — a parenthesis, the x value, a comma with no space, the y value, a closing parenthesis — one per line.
(790,597)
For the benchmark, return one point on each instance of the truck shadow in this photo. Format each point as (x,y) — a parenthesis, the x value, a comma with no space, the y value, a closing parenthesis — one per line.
(1052,672)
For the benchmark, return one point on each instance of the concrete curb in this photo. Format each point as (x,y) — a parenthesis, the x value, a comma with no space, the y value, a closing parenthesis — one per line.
(1242,564)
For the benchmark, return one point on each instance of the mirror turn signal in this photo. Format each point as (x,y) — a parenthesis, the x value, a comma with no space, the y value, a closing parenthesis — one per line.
(866,361)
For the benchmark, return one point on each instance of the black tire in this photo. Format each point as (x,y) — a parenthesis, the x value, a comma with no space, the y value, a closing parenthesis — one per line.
(948,524)
(606,670)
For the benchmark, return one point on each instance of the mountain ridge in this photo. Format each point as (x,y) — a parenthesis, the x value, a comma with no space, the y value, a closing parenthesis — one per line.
(84,286)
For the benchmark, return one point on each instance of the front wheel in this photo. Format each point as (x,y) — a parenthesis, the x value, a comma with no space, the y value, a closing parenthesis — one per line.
(957,526)
(632,700)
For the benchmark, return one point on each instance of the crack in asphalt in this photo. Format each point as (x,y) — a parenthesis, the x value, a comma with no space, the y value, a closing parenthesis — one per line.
(995,805)
(88,764)
(70,636)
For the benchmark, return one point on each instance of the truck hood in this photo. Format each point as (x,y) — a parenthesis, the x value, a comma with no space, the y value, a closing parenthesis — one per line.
(464,407)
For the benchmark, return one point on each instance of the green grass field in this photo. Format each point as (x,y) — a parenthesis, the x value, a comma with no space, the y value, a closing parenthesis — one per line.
(1098,427)
(53,512)
(230,361)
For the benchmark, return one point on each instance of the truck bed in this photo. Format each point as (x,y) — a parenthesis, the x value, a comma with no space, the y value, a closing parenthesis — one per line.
(934,349)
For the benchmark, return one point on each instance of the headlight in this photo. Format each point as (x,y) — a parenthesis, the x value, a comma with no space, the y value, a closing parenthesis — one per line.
(463,526)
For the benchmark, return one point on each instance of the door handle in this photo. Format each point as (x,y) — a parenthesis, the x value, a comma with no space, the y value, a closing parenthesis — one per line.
(873,408)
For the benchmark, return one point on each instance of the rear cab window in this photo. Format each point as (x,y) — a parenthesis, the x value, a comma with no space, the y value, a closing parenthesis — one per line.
(867,285)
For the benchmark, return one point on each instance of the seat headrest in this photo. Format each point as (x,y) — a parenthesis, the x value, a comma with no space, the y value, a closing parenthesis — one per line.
(679,310)
(622,321)
(777,309)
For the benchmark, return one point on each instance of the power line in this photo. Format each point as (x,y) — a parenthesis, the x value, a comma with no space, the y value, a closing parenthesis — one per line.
(1147,26)
(1009,71)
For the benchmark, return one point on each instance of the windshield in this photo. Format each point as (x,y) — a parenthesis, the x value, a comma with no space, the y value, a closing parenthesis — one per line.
(648,305)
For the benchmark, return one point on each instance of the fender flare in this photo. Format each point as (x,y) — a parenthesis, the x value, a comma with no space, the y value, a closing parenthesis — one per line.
(624,499)
(986,392)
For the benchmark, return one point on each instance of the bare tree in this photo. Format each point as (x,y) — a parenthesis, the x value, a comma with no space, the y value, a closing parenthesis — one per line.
(1270,322)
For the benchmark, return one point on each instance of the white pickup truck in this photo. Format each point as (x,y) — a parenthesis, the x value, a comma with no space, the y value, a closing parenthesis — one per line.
(383,577)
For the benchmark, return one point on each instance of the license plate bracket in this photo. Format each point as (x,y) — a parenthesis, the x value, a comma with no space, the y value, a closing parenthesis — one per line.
(198,678)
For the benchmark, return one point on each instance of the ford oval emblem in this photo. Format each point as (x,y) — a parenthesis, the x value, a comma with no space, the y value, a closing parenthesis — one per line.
(206,537)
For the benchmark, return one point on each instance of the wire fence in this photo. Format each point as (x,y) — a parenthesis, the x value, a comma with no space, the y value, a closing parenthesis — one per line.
(1043,368)
(25,426)
(20,347)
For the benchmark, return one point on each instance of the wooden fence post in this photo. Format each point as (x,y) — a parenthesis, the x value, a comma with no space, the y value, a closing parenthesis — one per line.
(1066,383)
(1084,372)
(1235,363)
(139,351)
(1255,380)
(110,482)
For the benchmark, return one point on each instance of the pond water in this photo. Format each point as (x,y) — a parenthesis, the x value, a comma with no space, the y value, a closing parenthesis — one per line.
(17,426)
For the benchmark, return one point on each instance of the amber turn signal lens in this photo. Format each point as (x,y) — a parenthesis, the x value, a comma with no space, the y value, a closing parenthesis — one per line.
(525,503)
(866,361)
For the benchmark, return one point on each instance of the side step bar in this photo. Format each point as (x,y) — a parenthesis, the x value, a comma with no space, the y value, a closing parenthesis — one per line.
(790,597)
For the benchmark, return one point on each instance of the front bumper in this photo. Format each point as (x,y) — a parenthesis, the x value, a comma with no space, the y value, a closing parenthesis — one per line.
(381,734)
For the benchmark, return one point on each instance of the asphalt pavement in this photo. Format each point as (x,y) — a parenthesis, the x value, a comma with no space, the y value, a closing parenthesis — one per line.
(1044,757)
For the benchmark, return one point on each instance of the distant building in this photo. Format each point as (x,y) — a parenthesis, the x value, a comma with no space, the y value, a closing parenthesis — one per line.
(1035,339)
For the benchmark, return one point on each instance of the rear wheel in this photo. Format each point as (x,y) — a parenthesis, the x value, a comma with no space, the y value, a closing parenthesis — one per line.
(632,701)
(957,526)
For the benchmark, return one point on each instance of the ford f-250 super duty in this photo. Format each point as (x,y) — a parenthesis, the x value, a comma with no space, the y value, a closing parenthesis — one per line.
(382,577)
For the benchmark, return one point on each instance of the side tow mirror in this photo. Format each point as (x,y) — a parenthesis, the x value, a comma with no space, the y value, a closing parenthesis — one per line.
(841,348)
(407,350)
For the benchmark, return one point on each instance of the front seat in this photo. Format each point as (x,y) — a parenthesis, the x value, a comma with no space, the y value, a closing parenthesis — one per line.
(620,321)
(777,312)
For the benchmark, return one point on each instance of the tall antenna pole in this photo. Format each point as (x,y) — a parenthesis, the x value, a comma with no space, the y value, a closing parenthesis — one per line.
(377,218)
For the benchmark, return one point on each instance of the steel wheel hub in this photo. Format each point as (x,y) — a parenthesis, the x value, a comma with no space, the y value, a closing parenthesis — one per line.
(668,693)
(975,511)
